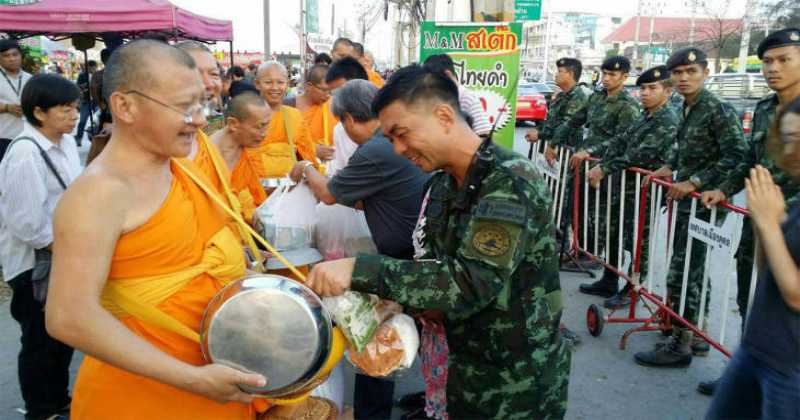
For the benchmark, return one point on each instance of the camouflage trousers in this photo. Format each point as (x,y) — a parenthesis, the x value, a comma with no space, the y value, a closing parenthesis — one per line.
(744,267)
(694,283)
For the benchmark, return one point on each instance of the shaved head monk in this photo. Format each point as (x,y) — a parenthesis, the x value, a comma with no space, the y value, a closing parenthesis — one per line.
(148,240)
(246,119)
(288,140)
(314,104)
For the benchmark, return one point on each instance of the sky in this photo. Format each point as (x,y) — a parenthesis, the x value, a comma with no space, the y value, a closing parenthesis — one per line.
(248,32)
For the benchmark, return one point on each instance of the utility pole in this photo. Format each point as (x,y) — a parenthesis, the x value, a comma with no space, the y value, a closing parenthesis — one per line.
(636,32)
(302,36)
(267,52)
(750,5)
(547,46)
(333,17)
(691,21)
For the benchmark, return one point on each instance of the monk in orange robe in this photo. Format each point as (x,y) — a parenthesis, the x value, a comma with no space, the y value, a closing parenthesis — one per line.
(149,243)
(246,121)
(314,104)
(287,140)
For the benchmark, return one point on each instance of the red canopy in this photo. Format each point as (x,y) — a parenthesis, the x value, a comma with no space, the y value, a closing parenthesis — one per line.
(62,17)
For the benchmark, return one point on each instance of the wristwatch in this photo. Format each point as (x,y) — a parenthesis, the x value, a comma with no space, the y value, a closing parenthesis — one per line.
(695,180)
(306,164)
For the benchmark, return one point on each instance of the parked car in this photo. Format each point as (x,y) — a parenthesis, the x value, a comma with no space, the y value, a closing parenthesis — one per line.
(532,100)
(742,91)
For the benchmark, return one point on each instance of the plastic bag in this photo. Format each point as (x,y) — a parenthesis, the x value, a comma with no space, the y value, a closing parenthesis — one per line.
(288,217)
(393,347)
(359,315)
(342,232)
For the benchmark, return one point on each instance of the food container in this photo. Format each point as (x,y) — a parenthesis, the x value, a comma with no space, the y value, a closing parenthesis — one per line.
(270,325)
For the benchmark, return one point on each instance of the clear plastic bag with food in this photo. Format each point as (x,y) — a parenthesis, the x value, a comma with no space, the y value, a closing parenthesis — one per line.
(288,217)
(359,315)
(392,349)
(342,232)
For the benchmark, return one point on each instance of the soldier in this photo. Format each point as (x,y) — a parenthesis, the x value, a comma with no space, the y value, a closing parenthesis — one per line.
(571,99)
(485,257)
(710,143)
(645,144)
(780,54)
(607,113)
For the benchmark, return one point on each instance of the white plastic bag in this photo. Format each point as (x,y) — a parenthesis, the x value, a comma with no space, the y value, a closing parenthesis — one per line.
(392,349)
(288,217)
(342,232)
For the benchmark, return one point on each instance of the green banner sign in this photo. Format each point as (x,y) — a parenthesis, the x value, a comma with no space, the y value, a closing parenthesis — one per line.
(312,16)
(486,58)
(527,10)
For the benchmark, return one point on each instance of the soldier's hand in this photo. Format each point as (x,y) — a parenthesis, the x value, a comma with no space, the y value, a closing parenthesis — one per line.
(662,172)
(764,199)
(577,158)
(594,176)
(680,190)
(550,155)
(532,135)
(331,278)
(712,198)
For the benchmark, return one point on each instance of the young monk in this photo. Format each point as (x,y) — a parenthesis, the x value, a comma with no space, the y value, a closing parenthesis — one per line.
(246,119)
(314,105)
(147,237)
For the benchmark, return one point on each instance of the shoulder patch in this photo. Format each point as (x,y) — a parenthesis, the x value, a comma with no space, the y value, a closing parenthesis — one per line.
(501,210)
(492,240)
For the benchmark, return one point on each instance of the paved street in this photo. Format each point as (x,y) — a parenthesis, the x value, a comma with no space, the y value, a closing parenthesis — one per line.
(605,382)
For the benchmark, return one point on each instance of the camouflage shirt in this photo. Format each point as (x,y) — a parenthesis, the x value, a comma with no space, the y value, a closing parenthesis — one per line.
(560,110)
(486,258)
(762,120)
(645,144)
(710,142)
(605,118)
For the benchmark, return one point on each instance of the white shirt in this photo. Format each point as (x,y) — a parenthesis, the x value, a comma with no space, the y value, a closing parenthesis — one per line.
(470,104)
(29,193)
(10,93)
(345,147)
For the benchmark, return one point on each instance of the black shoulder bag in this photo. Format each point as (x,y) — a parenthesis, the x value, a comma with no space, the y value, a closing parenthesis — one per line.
(40,277)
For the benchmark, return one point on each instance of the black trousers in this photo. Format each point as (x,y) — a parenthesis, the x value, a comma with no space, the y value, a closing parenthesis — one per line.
(43,362)
(373,398)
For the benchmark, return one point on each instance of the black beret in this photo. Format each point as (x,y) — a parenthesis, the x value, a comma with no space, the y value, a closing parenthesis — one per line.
(566,61)
(686,57)
(653,75)
(617,63)
(777,39)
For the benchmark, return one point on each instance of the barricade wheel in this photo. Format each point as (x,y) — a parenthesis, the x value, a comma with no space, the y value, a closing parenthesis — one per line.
(595,320)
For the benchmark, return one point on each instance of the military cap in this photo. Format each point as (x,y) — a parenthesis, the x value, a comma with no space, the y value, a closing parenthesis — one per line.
(567,61)
(686,57)
(653,75)
(777,39)
(617,63)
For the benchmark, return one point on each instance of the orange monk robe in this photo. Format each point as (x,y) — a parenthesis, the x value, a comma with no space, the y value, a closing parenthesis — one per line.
(245,183)
(375,78)
(277,155)
(172,240)
(316,117)
(205,162)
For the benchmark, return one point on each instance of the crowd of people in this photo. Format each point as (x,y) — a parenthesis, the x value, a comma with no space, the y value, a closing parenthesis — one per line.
(119,259)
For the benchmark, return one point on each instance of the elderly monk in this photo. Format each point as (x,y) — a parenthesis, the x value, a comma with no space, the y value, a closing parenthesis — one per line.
(287,140)
(149,241)
(313,104)
(246,119)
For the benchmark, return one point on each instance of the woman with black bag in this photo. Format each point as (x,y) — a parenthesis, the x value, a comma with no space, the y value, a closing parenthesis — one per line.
(35,171)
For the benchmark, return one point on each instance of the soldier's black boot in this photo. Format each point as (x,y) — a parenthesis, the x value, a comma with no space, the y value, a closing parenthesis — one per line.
(620,300)
(708,387)
(675,353)
(605,287)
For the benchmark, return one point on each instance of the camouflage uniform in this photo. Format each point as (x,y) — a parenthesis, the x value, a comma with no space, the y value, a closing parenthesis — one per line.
(605,118)
(486,257)
(646,145)
(559,112)
(762,120)
(710,144)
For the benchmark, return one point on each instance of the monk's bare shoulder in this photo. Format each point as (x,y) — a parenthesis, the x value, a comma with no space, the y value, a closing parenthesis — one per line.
(98,195)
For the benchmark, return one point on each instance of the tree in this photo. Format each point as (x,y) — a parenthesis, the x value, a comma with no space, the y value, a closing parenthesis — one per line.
(720,32)
(367,15)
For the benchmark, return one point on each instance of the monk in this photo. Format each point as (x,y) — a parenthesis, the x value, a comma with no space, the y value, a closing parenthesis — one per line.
(246,119)
(288,140)
(313,104)
(365,59)
(149,240)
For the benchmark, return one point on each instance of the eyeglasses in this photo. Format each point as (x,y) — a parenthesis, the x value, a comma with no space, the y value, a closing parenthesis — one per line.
(188,115)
